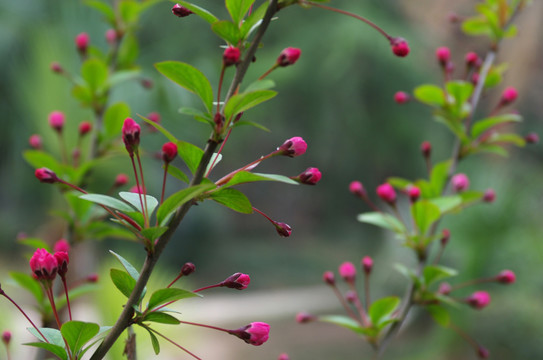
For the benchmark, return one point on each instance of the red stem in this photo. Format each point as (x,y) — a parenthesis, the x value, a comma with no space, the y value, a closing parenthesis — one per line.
(67,297)
(146,212)
(173,342)
(268,72)
(220,88)
(164,183)
(220,150)
(140,189)
(227,178)
(26,316)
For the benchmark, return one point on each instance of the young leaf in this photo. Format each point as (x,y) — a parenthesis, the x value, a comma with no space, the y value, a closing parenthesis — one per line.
(399,183)
(252,21)
(476,26)
(430,95)
(264,84)
(381,310)
(227,30)
(243,177)
(177,173)
(238,9)
(134,200)
(129,268)
(507,138)
(78,333)
(424,214)
(233,199)
(154,341)
(190,78)
(447,203)
(433,273)
(164,296)
(383,220)
(122,281)
(486,124)
(122,76)
(154,232)
(161,317)
(128,50)
(104,8)
(215,159)
(35,243)
(159,127)
(460,91)
(251,123)
(52,348)
(440,315)
(38,159)
(244,101)
(172,203)
(114,118)
(29,283)
(201,12)
(438,176)
(52,335)
(493,149)
(344,321)
(94,72)
(108,201)
(191,154)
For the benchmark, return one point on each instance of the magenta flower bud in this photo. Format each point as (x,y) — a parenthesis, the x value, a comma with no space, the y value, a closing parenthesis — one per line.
(347,271)
(237,281)
(489,196)
(147,83)
(310,176)
(45,175)
(56,120)
(62,260)
(460,182)
(131,135)
(120,180)
(256,333)
(443,55)
(478,300)
(169,152)
(356,188)
(531,138)
(288,56)
(231,56)
(283,356)
(472,60)
(401,97)
(506,277)
(44,266)
(329,278)
(399,46)
(350,296)
(483,352)
(414,193)
(181,11)
(35,141)
(295,146)
(82,42)
(84,128)
(445,236)
(449,67)
(137,189)
(304,317)
(444,288)
(6,337)
(283,229)
(188,269)
(56,67)
(509,95)
(475,78)
(453,17)
(154,117)
(387,193)
(111,36)
(92,278)
(61,245)
(367,264)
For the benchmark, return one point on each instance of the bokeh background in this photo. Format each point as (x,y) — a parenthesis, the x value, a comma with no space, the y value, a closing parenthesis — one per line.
(338,97)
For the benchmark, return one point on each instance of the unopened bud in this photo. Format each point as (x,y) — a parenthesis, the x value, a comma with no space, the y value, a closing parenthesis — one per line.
(231,56)
(111,36)
(478,300)
(329,278)
(169,152)
(45,175)
(6,337)
(237,281)
(35,141)
(445,236)
(56,120)
(506,277)
(92,278)
(304,317)
(351,296)
(56,68)
(283,229)
(288,56)
(387,193)
(188,269)
(401,97)
(120,180)
(347,271)
(283,356)
(531,138)
(84,128)
(181,11)
(294,146)
(367,264)
(82,42)
(509,95)
(399,47)
(356,188)
(414,193)
(444,288)
(489,196)
(460,182)
(472,60)
(131,135)
(311,176)
(483,352)
(443,55)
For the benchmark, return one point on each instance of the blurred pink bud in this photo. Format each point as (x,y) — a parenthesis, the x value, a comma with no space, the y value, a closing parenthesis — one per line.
(445,236)
(482,352)
(82,42)
(61,245)
(472,59)
(351,296)
(56,67)
(401,97)
(329,278)
(62,260)
(453,17)
(489,196)
(356,188)
(131,135)
(6,337)
(387,193)
(256,333)
(288,56)
(283,229)
(347,271)
(460,182)
(475,78)
(311,176)
(92,278)
(443,55)
(147,83)
(283,356)
(444,288)
(181,11)
(137,189)
(304,317)
(35,141)
(56,120)
(188,269)
(84,128)
(367,264)
(120,180)
(237,281)
(154,117)
(169,152)
(399,47)
(509,95)
(506,277)
(478,300)
(231,56)
(414,193)
(531,138)
(44,266)
(45,175)
(111,36)
(292,147)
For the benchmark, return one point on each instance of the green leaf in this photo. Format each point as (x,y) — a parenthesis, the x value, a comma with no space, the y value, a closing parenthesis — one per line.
(243,102)
(164,296)
(171,204)
(507,138)
(154,341)
(408,273)
(399,183)
(129,11)
(52,335)
(154,232)
(122,281)
(253,20)
(213,161)
(159,127)
(122,76)
(177,173)
(94,71)
(495,75)
(447,203)
(108,201)
(191,154)
(134,200)
(227,30)
(493,149)
(160,317)
(430,95)
(440,315)
(382,309)
(102,7)
(129,267)
(38,159)
(488,123)
(198,115)
(233,199)
(344,321)
(80,207)
(78,333)
(461,92)
(201,12)
(29,283)
(114,118)
(476,26)
(439,176)
(383,220)
(52,348)
(264,84)
(35,243)
(470,197)
(238,9)
(424,214)
(243,177)
(83,94)
(190,78)
(251,123)
(433,273)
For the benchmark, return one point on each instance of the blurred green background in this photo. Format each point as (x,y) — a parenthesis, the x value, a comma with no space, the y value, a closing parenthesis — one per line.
(338,97)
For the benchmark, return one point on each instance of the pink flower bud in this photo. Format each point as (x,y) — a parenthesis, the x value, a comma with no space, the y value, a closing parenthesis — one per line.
(472,60)
(84,128)
(188,269)
(445,236)
(453,17)
(304,317)
(82,42)
(387,193)
(310,176)
(283,356)
(131,135)
(414,193)
(489,196)
(444,288)
(6,337)
(181,11)
(237,281)
(356,188)
(231,56)
(295,146)
(111,36)
(478,299)
(475,78)
(329,278)
(509,95)
(45,175)
(351,296)
(154,117)
(367,264)
(443,55)
(56,120)
(120,180)
(62,260)
(256,333)
(56,67)
(482,352)
(35,141)
(61,245)
(347,271)
(147,83)
(44,266)
(460,182)
(283,229)
(169,152)
(137,189)
(92,278)
(506,277)
(399,47)
(288,56)
(531,138)
(401,97)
